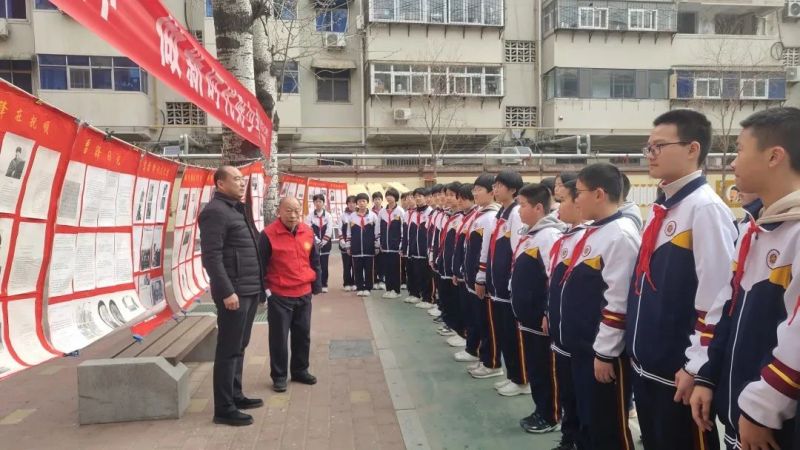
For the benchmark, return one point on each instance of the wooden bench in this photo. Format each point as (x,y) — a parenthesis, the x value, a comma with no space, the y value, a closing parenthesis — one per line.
(146,379)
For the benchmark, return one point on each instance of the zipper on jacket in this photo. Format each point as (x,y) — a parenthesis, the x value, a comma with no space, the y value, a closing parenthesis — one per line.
(733,360)
(638,314)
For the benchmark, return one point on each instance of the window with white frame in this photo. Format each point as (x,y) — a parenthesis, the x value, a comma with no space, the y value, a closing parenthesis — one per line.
(520,51)
(642,19)
(791,56)
(593,18)
(754,88)
(185,113)
(520,116)
(707,88)
(116,73)
(414,79)
(464,12)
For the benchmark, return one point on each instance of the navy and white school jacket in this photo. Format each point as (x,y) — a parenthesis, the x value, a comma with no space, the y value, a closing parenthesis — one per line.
(345,222)
(751,211)
(322,226)
(531,271)
(753,362)
(560,259)
(595,295)
(418,232)
(689,266)
(391,229)
(406,221)
(363,234)
(507,233)
(438,217)
(462,237)
(448,244)
(476,252)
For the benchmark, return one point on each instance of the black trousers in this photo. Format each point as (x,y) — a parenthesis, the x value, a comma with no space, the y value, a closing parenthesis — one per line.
(391,271)
(602,407)
(404,270)
(234,329)
(419,278)
(665,424)
(570,424)
(489,351)
(363,267)
(285,315)
(541,369)
(323,262)
(471,307)
(379,268)
(447,296)
(347,270)
(511,345)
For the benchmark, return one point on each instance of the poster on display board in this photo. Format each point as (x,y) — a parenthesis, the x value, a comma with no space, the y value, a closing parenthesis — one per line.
(91,288)
(292,186)
(315,187)
(35,143)
(151,205)
(195,192)
(257,184)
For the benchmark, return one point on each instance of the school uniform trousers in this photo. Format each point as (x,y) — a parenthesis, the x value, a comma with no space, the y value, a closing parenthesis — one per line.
(391,270)
(363,270)
(541,371)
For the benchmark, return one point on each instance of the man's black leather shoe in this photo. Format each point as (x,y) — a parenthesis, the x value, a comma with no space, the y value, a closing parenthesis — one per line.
(304,378)
(249,403)
(279,385)
(233,418)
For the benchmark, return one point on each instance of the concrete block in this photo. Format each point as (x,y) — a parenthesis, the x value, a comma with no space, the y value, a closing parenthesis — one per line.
(129,389)
(205,350)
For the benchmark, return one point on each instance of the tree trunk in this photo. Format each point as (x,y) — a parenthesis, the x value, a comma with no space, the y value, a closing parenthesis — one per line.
(266,92)
(232,21)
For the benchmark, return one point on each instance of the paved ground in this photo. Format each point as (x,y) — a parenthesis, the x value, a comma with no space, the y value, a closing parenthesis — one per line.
(408,393)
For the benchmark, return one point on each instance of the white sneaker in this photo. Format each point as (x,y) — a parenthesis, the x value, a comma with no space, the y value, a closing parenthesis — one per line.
(456,341)
(360,293)
(474,366)
(324,290)
(391,294)
(512,389)
(352,288)
(463,356)
(367,293)
(379,286)
(411,299)
(502,383)
(435,312)
(403,286)
(445,331)
(424,305)
(485,372)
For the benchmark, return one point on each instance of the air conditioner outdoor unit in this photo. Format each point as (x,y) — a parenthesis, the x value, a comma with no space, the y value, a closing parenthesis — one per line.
(402,114)
(793,74)
(793,9)
(520,153)
(333,40)
(3,29)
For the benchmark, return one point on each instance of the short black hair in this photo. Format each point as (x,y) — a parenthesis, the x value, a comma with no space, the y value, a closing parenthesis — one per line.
(465,192)
(435,189)
(777,127)
(350,199)
(362,196)
(318,197)
(393,193)
(407,194)
(603,176)
(626,186)
(567,176)
(421,191)
(550,184)
(572,188)
(485,180)
(452,187)
(510,179)
(19,150)
(692,126)
(536,193)
(377,195)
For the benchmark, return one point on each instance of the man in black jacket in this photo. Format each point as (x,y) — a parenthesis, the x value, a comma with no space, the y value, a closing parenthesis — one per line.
(230,256)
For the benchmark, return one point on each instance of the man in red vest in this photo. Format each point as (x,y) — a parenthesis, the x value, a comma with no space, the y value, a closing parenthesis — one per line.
(291,260)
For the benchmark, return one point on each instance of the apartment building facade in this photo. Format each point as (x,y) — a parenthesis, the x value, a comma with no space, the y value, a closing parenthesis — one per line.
(415,76)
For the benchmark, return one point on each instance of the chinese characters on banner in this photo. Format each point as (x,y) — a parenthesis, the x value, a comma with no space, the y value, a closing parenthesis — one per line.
(91,288)
(144,31)
(35,142)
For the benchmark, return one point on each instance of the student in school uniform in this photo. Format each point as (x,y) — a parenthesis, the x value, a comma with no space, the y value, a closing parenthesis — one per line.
(465,203)
(481,337)
(529,280)
(593,306)
(751,205)
(363,234)
(448,292)
(348,281)
(681,267)
(419,279)
(630,210)
(391,234)
(752,369)
(408,204)
(503,241)
(434,228)
(377,206)
(560,259)
(321,224)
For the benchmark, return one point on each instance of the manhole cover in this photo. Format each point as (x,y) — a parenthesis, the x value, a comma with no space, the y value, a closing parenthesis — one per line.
(261,316)
(350,348)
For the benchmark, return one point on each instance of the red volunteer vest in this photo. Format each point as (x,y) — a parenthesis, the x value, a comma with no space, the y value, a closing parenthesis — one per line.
(289,271)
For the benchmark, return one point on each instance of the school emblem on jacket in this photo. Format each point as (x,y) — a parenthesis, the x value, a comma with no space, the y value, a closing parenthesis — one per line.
(669,230)
(564,253)
(772,258)
(587,250)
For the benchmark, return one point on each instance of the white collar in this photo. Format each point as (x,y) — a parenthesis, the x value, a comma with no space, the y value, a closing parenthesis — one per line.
(673,188)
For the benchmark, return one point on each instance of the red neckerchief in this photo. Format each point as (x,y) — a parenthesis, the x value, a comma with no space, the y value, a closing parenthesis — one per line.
(555,250)
(649,239)
(747,239)
(443,233)
(466,223)
(576,253)
(516,250)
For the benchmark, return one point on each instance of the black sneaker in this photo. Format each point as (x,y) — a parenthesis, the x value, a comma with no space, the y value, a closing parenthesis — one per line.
(538,425)
(233,418)
(304,378)
(527,421)
(566,445)
(279,385)
(249,403)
